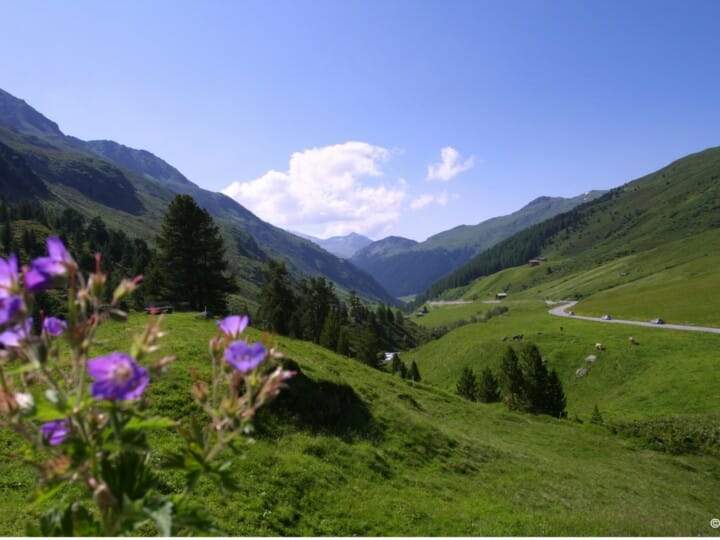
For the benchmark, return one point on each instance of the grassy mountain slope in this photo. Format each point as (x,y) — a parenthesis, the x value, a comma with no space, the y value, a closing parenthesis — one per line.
(131,189)
(670,372)
(353,451)
(675,203)
(408,268)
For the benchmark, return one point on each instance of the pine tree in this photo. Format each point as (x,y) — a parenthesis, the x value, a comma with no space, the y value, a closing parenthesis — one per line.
(395,364)
(277,299)
(556,402)
(316,298)
(535,379)
(596,417)
(488,389)
(368,346)
(512,379)
(343,345)
(330,333)
(467,385)
(192,257)
(414,373)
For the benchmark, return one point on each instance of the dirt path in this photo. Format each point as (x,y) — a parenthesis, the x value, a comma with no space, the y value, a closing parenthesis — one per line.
(561,312)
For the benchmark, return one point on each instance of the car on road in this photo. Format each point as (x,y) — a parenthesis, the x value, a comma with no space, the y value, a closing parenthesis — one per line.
(657,320)
(606,317)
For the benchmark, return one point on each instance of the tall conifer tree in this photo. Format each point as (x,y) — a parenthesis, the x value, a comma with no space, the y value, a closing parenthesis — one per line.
(192,257)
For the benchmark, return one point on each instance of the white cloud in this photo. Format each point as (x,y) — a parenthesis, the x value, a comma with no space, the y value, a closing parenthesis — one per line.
(450,165)
(422,202)
(440,198)
(338,187)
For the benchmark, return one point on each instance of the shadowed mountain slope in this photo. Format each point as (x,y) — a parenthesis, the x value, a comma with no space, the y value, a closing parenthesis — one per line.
(131,188)
(406,267)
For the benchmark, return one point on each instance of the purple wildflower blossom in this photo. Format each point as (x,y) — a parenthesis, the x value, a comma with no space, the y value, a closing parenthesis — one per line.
(54,326)
(44,269)
(117,377)
(244,357)
(9,308)
(8,276)
(15,335)
(233,325)
(55,432)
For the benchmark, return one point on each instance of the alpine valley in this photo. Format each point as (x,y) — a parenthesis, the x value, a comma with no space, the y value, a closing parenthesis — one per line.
(504,410)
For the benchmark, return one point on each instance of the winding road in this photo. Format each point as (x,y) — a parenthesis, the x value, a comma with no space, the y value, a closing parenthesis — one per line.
(561,312)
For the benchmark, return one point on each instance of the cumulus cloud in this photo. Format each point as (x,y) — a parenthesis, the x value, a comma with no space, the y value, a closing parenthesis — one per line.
(440,199)
(449,166)
(339,187)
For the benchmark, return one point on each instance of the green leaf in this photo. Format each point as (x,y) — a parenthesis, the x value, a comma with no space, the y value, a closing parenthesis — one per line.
(162,517)
(155,422)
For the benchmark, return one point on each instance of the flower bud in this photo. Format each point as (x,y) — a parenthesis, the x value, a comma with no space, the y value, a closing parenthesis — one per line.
(199,391)
(97,284)
(103,497)
(126,287)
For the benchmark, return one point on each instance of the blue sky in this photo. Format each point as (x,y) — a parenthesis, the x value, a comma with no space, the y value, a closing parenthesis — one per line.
(379,117)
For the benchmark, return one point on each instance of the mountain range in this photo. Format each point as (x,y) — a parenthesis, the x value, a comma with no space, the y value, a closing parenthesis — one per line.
(131,188)
(666,218)
(342,246)
(406,267)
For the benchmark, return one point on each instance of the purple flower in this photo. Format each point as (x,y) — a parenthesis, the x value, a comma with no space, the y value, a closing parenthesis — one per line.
(244,357)
(8,276)
(55,432)
(117,377)
(44,269)
(9,308)
(15,335)
(54,326)
(233,325)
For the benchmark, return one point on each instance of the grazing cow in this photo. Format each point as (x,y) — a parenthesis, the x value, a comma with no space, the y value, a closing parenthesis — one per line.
(591,358)
(599,347)
(581,372)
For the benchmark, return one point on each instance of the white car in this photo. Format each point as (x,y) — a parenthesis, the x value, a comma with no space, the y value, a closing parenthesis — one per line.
(606,317)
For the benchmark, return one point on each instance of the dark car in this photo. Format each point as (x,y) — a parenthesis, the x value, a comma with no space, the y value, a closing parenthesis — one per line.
(159,307)
(657,320)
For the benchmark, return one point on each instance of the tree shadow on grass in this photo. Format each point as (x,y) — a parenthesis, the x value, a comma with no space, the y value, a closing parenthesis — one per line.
(320,407)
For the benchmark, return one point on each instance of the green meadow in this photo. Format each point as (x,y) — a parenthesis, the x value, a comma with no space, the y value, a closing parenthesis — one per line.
(350,450)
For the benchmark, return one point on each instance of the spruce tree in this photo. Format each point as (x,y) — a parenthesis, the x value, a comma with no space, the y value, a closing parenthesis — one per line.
(368,346)
(414,373)
(535,379)
(489,387)
(556,402)
(343,345)
(467,385)
(192,257)
(330,331)
(512,379)
(277,299)
(396,365)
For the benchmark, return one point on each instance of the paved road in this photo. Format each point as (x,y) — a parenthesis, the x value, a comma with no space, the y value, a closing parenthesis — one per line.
(561,311)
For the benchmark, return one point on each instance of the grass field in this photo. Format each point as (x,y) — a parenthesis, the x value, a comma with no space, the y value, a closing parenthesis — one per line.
(361,452)
(668,372)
